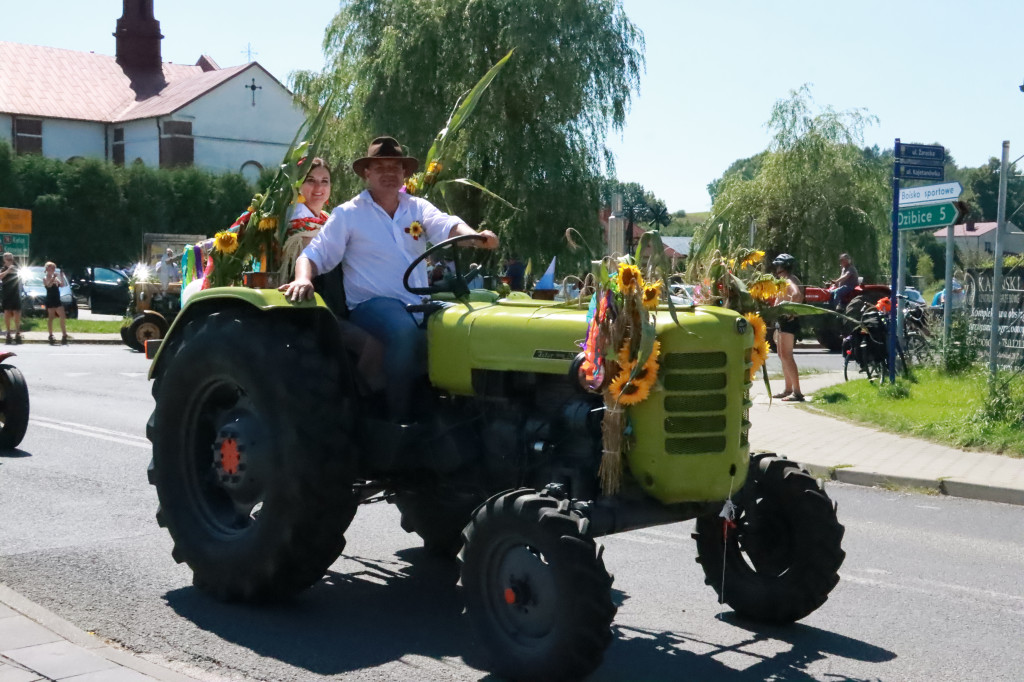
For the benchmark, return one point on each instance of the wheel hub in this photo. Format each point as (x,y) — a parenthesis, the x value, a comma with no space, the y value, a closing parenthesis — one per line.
(239,459)
(528,591)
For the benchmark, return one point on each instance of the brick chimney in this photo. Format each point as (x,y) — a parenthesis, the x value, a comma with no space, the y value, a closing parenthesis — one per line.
(138,36)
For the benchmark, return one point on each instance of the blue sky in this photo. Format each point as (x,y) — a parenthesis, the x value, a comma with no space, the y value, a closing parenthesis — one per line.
(932,71)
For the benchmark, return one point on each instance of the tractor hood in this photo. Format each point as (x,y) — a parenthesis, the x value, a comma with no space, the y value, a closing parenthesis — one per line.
(519,334)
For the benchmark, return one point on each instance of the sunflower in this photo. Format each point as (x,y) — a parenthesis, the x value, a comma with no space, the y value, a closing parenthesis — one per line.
(301,199)
(434,167)
(415,230)
(225,242)
(412,185)
(652,295)
(629,279)
(758,357)
(624,352)
(753,258)
(764,289)
(628,392)
(268,223)
(760,328)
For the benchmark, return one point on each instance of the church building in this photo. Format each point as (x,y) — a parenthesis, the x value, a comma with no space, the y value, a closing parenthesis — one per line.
(133,107)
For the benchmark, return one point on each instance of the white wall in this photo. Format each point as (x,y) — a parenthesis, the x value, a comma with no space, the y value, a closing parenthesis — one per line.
(141,141)
(63,139)
(226,126)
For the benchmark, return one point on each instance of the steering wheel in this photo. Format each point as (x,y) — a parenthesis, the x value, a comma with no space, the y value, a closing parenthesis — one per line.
(458,285)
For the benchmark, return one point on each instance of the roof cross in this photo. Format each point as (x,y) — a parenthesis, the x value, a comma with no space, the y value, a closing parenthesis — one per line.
(254,88)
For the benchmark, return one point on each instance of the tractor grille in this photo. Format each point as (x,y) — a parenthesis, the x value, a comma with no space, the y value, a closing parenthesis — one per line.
(695,402)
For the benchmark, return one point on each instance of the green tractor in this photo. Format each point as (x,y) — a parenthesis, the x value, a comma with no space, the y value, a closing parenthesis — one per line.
(266,440)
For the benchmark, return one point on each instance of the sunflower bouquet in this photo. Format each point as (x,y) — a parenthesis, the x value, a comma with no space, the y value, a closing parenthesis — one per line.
(253,241)
(621,352)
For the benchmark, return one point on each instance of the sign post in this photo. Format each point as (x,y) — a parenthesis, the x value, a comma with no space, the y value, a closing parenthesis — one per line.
(915,162)
(927,215)
(15,230)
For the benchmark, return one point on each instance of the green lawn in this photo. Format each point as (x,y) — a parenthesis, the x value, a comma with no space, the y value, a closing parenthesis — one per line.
(946,409)
(38,324)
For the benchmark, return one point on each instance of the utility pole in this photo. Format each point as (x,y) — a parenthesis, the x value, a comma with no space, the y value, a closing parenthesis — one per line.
(997,270)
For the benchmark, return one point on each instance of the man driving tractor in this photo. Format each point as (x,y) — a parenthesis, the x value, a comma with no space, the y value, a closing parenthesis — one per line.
(375,236)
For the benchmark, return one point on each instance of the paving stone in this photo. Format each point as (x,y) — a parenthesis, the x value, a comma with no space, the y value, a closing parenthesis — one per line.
(61,659)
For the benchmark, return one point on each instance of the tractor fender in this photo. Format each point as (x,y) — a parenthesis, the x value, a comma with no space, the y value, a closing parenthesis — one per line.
(269,301)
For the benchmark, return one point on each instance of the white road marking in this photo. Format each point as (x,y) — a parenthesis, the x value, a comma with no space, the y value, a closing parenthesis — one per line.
(92,432)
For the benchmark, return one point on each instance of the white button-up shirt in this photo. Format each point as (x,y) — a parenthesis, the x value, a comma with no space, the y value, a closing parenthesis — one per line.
(374,249)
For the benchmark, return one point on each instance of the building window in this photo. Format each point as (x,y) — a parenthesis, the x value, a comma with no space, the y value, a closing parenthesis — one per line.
(117,151)
(177,146)
(251,170)
(988,247)
(28,135)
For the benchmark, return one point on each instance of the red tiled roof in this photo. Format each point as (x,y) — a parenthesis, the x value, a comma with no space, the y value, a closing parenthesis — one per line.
(962,231)
(52,82)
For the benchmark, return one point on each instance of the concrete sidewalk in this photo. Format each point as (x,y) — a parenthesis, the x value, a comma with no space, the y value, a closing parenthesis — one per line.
(853,453)
(38,645)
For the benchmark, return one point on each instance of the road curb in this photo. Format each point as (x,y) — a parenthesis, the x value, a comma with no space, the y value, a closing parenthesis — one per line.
(947,486)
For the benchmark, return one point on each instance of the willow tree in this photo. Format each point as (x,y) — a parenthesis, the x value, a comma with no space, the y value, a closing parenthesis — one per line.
(538,136)
(816,192)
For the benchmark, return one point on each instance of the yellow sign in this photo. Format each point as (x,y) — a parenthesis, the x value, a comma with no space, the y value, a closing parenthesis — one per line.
(15,221)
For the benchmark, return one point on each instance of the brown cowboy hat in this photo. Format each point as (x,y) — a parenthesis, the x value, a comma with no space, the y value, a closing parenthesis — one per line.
(386,148)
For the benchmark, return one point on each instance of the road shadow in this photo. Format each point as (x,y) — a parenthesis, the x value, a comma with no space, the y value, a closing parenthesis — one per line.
(361,619)
(651,655)
(387,610)
(14,453)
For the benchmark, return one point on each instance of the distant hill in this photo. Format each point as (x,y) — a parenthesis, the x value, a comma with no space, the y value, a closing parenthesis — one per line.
(684,227)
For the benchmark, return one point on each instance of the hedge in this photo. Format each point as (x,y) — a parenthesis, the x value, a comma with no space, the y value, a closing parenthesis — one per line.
(91,212)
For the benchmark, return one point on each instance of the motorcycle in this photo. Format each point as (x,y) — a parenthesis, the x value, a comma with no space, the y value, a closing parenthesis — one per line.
(13,404)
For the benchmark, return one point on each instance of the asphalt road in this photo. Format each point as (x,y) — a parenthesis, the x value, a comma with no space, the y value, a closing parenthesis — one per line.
(931,588)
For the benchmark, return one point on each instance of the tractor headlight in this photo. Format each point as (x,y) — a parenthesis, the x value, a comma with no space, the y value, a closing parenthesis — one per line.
(742,325)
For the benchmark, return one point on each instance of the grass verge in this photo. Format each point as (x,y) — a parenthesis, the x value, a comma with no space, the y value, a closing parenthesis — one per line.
(38,324)
(943,408)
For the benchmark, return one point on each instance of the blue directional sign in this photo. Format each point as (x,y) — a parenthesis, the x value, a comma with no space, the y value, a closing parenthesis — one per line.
(925,154)
(920,172)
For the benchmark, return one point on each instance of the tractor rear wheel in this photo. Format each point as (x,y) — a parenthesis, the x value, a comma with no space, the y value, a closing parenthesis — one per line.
(783,553)
(251,457)
(536,588)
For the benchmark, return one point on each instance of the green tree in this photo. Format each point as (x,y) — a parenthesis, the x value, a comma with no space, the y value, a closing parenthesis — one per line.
(981,191)
(538,136)
(815,194)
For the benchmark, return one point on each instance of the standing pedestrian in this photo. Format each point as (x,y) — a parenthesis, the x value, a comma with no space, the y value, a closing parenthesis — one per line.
(52,282)
(10,297)
(786,329)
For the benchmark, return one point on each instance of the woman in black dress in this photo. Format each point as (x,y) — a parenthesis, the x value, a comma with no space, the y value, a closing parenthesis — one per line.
(52,282)
(10,297)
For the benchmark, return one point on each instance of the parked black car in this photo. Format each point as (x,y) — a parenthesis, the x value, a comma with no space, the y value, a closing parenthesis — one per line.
(104,289)
(33,293)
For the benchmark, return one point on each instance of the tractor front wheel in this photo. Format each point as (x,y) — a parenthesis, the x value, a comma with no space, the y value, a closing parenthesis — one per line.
(781,552)
(536,588)
(251,458)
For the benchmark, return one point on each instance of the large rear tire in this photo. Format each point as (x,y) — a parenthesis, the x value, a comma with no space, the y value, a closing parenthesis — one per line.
(13,407)
(251,458)
(782,558)
(536,588)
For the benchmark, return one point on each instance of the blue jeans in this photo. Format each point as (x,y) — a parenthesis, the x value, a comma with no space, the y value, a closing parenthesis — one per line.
(405,349)
(838,294)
